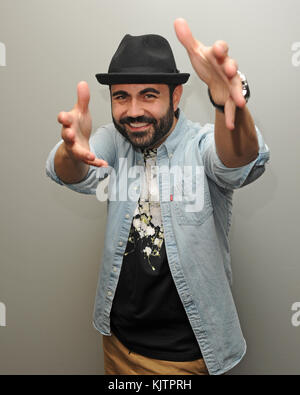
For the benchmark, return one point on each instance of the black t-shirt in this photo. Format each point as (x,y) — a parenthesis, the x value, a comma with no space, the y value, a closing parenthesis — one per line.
(147,314)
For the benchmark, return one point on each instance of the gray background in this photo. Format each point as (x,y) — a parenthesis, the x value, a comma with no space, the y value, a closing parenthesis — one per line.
(51,238)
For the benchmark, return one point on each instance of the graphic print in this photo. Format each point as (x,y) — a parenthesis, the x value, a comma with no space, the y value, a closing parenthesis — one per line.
(146,230)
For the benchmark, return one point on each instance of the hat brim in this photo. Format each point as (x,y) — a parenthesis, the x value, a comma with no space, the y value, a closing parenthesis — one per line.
(156,78)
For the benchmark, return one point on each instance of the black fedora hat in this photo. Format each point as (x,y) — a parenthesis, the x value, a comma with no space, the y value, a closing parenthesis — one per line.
(143,59)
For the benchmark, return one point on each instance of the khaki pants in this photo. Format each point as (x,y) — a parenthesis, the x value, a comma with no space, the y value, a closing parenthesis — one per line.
(119,360)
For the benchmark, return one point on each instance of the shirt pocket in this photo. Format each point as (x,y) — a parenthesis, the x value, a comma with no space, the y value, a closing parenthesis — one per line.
(192,202)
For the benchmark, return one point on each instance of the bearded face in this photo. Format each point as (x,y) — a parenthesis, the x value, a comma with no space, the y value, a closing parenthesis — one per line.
(143,114)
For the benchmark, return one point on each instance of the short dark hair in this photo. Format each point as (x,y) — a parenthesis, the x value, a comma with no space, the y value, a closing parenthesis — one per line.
(171,90)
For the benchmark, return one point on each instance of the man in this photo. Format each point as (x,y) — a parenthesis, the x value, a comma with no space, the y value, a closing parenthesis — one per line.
(164,303)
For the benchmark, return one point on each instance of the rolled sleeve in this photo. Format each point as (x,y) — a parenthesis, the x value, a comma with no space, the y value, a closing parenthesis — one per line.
(236,177)
(87,186)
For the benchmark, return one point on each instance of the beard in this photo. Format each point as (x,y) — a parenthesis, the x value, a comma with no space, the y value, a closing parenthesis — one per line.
(146,138)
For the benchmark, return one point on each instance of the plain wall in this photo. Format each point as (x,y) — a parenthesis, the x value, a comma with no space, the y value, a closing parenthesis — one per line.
(51,238)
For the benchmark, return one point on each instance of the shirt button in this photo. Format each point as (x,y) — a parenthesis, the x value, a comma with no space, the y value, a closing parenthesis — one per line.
(109,293)
(114,269)
(127,216)
(171,155)
(120,243)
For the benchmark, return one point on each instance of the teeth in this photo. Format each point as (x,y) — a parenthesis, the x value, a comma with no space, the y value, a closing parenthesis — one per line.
(138,125)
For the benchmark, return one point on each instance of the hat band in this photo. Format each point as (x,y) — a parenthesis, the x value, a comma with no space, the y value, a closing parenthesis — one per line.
(136,78)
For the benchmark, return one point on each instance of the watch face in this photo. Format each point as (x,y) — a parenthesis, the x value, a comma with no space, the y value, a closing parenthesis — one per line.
(245,85)
(245,91)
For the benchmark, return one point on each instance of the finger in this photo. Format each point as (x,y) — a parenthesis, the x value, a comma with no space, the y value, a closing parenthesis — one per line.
(236,91)
(230,67)
(81,153)
(65,118)
(220,50)
(91,159)
(68,135)
(185,35)
(87,156)
(218,55)
(230,110)
(97,162)
(83,96)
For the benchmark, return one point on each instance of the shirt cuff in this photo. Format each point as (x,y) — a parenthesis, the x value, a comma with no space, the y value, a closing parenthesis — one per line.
(236,177)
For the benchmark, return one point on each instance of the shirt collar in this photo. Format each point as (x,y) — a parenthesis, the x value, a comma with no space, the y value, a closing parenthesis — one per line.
(174,138)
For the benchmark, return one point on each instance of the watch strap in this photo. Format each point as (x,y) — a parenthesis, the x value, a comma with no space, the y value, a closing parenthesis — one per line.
(245,88)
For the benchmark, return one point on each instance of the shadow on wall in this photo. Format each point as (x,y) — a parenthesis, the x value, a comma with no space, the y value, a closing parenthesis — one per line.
(2,55)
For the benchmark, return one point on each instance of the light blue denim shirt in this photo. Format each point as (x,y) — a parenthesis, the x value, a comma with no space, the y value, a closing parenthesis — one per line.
(196,236)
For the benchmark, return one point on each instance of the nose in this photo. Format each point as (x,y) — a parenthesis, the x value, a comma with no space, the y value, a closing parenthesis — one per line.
(135,109)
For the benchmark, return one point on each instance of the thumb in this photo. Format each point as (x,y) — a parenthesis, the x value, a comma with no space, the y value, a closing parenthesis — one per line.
(185,35)
(83,96)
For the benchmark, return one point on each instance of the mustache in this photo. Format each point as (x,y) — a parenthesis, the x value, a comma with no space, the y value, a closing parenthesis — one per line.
(141,119)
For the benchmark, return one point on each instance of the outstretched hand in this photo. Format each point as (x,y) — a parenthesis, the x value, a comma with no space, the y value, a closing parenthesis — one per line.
(216,69)
(77,127)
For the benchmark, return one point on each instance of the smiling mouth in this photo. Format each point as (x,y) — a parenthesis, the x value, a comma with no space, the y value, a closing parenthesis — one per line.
(138,126)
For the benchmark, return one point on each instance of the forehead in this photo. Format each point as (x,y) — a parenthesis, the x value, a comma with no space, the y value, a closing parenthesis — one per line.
(136,88)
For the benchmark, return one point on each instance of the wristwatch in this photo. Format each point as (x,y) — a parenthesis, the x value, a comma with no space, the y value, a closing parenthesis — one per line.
(246,92)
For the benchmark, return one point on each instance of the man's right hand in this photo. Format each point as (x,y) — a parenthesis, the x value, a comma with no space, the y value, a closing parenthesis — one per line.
(76,129)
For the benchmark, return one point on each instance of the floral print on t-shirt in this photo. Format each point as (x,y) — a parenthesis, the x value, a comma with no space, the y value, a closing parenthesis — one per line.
(147,230)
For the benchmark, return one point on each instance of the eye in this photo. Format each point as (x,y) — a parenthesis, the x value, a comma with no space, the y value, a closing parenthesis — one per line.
(150,96)
(120,97)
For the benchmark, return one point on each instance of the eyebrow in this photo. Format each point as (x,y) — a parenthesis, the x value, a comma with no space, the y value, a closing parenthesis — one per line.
(146,90)
(150,90)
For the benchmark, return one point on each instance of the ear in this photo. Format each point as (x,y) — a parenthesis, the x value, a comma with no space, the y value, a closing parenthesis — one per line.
(177,96)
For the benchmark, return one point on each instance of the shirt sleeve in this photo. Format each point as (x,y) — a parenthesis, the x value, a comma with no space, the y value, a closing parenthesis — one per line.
(102,144)
(226,177)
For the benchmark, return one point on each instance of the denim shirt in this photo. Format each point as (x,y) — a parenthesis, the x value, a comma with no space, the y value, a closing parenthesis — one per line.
(196,235)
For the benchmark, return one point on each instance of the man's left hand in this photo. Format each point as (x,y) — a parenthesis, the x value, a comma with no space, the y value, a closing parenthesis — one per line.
(216,69)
